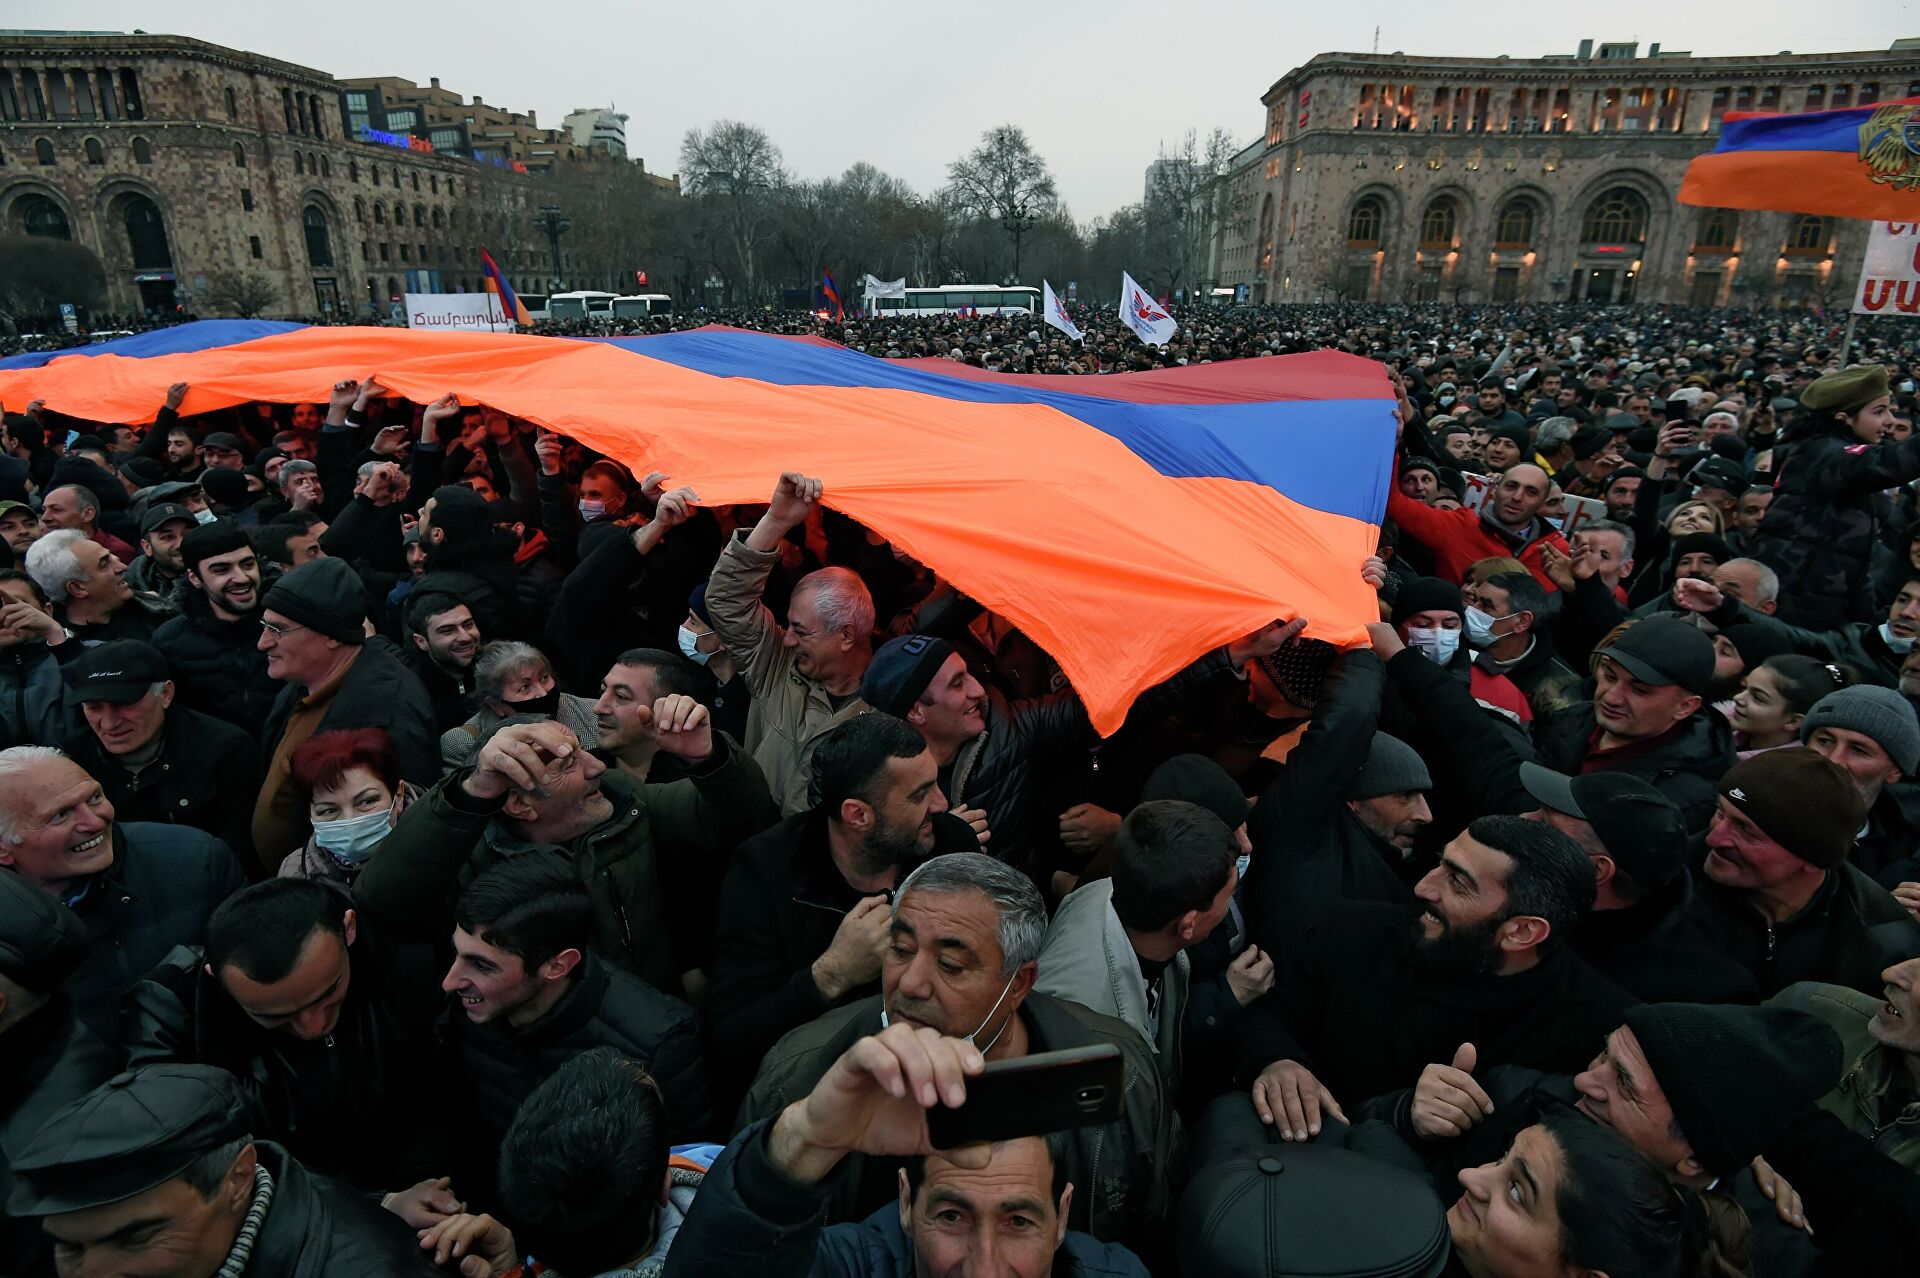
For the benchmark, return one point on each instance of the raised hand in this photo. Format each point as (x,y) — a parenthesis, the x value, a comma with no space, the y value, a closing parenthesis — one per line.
(176,395)
(794,497)
(1447,1101)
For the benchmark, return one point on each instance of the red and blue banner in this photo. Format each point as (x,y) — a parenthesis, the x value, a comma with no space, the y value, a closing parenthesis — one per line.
(1127,524)
(831,293)
(1852,162)
(510,303)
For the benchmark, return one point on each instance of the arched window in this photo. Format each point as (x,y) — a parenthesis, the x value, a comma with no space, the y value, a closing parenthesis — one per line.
(142,151)
(1363,224)
(375,170)
(96,153)
(147,234)
(399,214)
(43,151)
(380,213)
(393,287)
(233,103)
(353,169)
(1618,216)
(433,183)
(1809,235)
(319,242)
(326,169)
(41,216)
(1719,229)
(439,218)
(299,162)
(1437,224)
(416,181)
(359,208)
(419,215)
(1515,229)
(239,155)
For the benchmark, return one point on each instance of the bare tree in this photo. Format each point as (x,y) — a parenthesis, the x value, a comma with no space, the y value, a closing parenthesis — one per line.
(1004,179)
(1186,199)
(735,168)
(38,273)
(245,293)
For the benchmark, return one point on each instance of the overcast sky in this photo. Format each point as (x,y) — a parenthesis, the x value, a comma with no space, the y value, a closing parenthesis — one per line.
(910,84)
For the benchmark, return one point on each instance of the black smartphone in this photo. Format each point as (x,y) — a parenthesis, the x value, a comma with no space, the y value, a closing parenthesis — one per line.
(1034,1095)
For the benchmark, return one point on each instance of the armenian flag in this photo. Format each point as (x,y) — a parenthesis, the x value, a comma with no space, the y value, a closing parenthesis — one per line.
(510,303)
(1859,161)
(831,291)
(1127,525)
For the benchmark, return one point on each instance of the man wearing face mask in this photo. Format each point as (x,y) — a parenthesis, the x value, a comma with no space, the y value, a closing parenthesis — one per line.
(1876,650)
(729,697)
(1502,621)
(1428,614)
(966,933)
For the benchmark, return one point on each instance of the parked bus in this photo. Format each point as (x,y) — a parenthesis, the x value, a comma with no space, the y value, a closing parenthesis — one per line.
(959,299)
(536,304)
(640,305)
(580,304)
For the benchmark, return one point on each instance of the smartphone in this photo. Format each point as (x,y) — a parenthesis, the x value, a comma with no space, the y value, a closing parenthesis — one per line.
(1034,1095)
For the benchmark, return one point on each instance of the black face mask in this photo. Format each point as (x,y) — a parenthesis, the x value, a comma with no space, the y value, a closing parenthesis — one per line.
(548,705)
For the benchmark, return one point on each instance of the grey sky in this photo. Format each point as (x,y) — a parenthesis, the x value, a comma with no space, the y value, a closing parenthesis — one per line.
(908,85)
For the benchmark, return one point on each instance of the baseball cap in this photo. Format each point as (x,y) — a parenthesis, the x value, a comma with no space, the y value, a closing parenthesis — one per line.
(119,671)
(221,441)
(1640,828)
(161,512)
(1664,651)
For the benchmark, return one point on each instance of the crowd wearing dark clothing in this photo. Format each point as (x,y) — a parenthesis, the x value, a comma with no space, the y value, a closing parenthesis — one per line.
(429,845)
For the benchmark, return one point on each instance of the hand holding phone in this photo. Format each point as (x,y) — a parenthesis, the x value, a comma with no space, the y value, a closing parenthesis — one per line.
(1034,1095)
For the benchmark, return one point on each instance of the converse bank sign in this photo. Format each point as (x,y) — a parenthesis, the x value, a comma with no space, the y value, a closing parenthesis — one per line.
(444,311)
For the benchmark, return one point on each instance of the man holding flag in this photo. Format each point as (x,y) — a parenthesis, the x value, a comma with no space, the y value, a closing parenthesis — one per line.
(831,293)
(1147,318)
(1056,314)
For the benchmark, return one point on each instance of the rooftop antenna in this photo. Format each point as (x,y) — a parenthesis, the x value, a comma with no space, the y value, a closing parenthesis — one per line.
(1376,39)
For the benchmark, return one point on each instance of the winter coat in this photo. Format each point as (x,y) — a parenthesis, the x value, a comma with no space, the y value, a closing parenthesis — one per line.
(217,665)
(138,618)
(1819,531)
(1351,1004)
(1459,538)
(749,1221)
(1885,851)
(1838,938)
(206,776)
(1875,1097)
(1685,763)
(617,598)
(318,1227)
(1122,1172)
(452,695)
(780,905)
(460,744)
(163,886)
(1088,960)
(33,707)
(351,1105)
(143,574)
(47,1061)
(1857,644)
(790,711)
(644,867)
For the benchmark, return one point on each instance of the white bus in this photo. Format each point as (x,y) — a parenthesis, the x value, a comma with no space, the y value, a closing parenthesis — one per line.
(957,299)
(536,304)
(641,305)
(580,304)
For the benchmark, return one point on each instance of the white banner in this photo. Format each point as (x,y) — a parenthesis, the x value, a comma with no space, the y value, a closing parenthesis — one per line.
(1056,314)
(1890,276)
(885,288)
(446,311)
(1146,317)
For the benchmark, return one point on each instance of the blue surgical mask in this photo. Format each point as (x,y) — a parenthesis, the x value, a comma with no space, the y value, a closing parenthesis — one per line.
(353,839)
(591,510)
(1479,627)
(689,648)
(1438,644)
(204,516)
(1894,641)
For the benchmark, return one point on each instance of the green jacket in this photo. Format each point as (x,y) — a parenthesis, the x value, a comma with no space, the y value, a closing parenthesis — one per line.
(1875,1097)
(1122,1173)
(790,712)
(640,867)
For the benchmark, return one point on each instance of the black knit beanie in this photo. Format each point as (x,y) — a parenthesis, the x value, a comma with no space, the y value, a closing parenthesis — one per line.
(324,595)
(460,513)
(1425,594)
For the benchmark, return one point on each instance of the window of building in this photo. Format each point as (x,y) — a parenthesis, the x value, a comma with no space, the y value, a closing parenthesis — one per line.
(399,215)
(326,169)
(1437,224)
(1869,94)
(147,235)
(419,215)
(1743,98)
(253,246)
(286,107)
(299,162)
(1816,97)
(1515,228)
(366,251)
(400,119)
(1808,236)
(1719,228)
(359,208)
(319,240)
(433,183)
(375,170)
(1363,224)
(1770,98)
(1842,96)
(383,250)
(43,151)
(130,95)
(239,156)
(353,170)
(416,180)
(142,151)
(96,152)
(1617,216)
(356,101)
(41,216)
(406,252)
(233,104)
(380,213)
(246,199)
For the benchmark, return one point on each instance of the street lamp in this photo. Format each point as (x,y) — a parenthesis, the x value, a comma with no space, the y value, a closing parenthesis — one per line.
(555,224)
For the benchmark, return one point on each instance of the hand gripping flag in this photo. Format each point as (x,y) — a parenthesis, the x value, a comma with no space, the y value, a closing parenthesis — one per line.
(1147,318)
(510,304)
(1056,314)
(1853,162)
(1128,525)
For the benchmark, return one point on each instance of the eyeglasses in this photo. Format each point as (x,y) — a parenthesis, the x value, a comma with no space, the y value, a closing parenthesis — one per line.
(279,632)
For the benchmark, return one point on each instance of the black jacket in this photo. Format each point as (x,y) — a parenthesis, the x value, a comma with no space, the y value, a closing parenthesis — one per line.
(1857,644)
(207,776)
(780,905)
(1351,1005)
(320,1228)
(47,1061)
(379,692)
(616,598)
(163,886)
(217,666)
(351,1105)
(1838,938)
(1685,764)
(33,707)
(452,696)
(138,618)
(1886,851)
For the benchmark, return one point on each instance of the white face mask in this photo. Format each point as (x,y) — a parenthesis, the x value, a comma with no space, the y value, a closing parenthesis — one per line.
(592,510)
(353,839)
(886,1019)
(1439,645)
(1479,627)
(204,516)
(689,648)
(1894,641)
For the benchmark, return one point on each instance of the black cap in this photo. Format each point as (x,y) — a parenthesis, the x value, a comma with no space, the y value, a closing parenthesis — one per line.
(1198,779)
(1664,650)
(119,671)
(223,442)
(160,512)
(1640,827)
(1715,471)
(41,940)
(901,670)
(134,1131)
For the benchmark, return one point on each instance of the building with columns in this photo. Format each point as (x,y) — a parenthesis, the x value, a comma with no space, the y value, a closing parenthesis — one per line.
(1387,177)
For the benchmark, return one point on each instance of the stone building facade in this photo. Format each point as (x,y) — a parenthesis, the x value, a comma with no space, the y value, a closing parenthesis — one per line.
(173,160)
(1395,178)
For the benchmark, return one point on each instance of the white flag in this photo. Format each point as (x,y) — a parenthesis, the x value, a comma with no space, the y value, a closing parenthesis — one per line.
(886,288)
(1146,317)
(1056,314)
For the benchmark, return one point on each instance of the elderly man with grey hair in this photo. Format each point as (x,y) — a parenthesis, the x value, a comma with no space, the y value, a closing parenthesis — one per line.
(86,585)
(961,958)
(1553,444)
(140,888)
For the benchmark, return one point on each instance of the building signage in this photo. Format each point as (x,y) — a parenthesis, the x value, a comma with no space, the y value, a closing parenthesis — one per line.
(1890,276)
(405,142)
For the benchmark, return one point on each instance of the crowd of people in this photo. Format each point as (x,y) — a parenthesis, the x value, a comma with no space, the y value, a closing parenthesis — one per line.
(430,846)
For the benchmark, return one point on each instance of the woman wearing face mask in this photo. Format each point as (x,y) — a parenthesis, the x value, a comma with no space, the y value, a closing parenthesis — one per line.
(351,778)
(1774,699)
(513,678)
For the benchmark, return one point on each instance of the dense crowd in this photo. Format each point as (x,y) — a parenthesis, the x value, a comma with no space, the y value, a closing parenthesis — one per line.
(430,845)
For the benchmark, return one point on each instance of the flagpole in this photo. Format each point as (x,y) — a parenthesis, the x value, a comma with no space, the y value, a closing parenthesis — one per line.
(1846,338)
